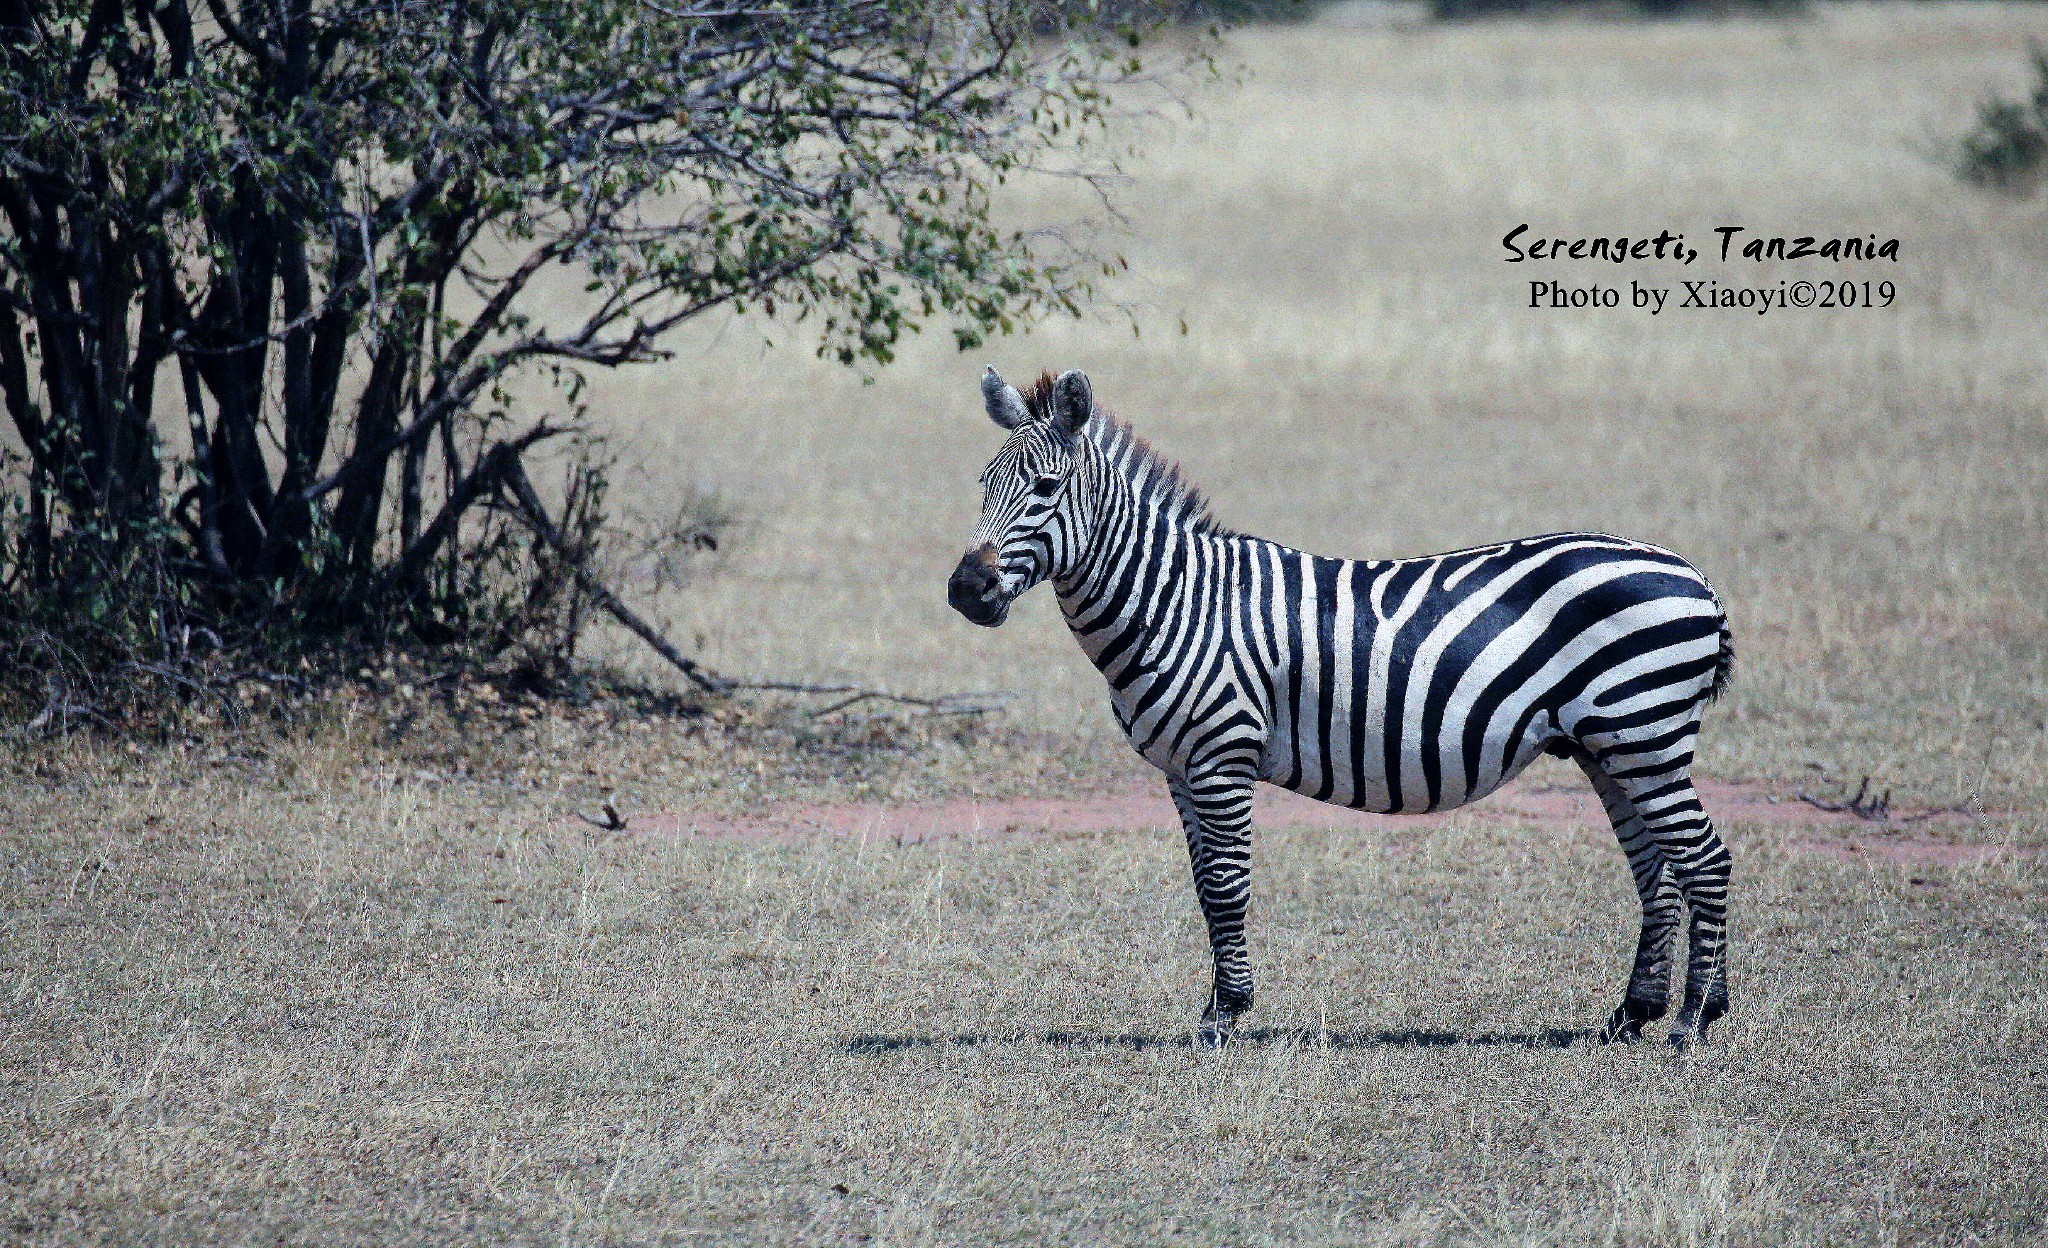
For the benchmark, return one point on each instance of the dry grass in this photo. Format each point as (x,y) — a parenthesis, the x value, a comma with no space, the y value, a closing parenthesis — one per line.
(309,1003)
(373,990)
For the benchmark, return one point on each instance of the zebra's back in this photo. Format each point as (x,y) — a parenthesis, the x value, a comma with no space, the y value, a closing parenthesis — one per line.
(1425,683)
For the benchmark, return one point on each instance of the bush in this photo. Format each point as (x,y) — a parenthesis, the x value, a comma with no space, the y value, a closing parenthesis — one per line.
(2007,150)
(266,206)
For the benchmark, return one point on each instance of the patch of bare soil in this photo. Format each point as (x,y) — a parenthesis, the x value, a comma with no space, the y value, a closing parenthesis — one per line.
(1925,837)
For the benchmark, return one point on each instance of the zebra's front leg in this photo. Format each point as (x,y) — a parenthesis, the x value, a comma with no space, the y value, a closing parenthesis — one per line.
(1216,815)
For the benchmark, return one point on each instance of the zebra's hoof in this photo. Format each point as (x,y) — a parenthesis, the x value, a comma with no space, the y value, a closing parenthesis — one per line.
(1220,1017)
(1217,1031)
(1684,1039)
(1622,1031)
(1625,1025)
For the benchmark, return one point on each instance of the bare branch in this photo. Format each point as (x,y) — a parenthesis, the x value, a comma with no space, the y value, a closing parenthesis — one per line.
(533,513)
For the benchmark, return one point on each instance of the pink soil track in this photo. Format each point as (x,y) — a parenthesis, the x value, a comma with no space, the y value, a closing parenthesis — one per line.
(1745,811)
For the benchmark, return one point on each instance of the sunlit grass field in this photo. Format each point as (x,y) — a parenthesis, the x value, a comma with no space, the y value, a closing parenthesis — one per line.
(324,1002)
(370,983)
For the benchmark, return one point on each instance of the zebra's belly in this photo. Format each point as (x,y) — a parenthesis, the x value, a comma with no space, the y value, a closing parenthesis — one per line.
(1411,778)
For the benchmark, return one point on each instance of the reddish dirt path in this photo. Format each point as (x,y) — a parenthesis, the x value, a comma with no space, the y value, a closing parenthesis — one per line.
(1797,824)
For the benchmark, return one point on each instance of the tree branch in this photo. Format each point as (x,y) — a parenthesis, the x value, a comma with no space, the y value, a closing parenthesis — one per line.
(534,515)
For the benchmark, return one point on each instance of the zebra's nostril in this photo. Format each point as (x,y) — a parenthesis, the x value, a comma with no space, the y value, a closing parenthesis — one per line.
(975,589)
(971,581)
(974,572)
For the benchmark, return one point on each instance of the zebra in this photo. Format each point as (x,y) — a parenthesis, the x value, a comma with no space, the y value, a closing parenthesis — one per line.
(1389,685)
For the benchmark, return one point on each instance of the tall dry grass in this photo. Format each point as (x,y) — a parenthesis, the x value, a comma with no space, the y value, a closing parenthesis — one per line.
(321,1002)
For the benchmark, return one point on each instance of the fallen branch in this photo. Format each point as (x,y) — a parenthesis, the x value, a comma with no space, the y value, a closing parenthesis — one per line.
(298,684)
(1877,809)
(1934,813)
(58,709)
(227,703)
(612,820)
(534,515)
(490,472)
(853,695)
(1862,805)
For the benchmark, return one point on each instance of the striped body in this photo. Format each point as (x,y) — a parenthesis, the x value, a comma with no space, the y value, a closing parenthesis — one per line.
(1397,685)
(1393,685)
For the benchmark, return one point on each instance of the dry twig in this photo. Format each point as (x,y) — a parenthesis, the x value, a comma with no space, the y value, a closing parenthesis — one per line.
(1877,809)
(852,695)
(1862,805)
(612,822)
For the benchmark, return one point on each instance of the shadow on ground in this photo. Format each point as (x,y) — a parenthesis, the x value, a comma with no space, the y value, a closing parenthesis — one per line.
(1306,1037)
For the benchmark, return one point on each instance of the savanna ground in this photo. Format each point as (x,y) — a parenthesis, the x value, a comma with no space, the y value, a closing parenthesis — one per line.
(368,982)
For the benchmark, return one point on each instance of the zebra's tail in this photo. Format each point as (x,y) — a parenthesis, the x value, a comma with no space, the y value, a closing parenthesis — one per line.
(1724,660)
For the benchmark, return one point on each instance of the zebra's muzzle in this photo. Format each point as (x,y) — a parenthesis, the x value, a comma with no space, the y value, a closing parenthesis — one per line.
(976,589)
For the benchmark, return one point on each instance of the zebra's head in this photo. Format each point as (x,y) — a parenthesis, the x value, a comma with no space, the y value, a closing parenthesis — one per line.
(1029,512)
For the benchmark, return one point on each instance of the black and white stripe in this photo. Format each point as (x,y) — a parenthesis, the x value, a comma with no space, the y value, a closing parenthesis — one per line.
(1393,685)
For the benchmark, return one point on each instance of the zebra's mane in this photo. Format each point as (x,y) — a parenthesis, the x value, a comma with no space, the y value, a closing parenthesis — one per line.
(1157,479)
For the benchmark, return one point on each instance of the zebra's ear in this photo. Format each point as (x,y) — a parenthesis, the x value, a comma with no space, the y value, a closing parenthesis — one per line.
(1005,405)
(1073,402)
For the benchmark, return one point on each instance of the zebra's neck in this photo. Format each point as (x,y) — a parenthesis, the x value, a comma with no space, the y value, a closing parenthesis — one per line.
(1146,549)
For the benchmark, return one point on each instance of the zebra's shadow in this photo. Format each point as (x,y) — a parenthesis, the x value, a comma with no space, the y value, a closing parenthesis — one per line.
(871,1045)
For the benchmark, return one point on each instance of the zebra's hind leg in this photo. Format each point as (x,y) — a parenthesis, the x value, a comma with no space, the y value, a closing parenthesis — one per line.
(1649,981)
(1669,806)
(1216,815)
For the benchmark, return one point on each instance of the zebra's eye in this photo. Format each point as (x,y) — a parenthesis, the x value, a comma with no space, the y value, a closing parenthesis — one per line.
(1045,487)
